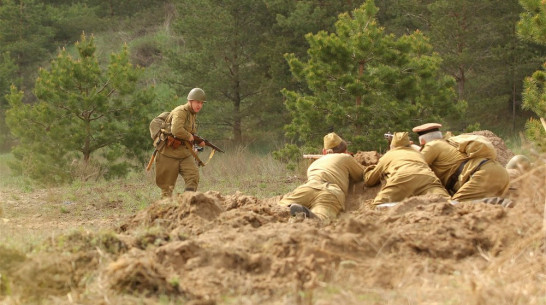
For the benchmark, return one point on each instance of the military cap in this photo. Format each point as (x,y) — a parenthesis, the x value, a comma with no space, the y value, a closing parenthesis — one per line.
(400,139)
(426,128)
(331,140)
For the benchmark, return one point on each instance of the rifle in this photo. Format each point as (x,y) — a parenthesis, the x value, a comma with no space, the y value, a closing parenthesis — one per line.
(195,156)
(317,156)
(388,136)
(197,139)
(311,156)
(158,145)
(151,161)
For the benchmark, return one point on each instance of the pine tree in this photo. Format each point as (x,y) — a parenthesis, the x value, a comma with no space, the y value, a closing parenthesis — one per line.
(364,83)
(224,52)
(8,71)
(82,110)
(531,27)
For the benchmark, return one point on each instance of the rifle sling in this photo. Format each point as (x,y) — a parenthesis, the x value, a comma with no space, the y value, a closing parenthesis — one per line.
(453,179)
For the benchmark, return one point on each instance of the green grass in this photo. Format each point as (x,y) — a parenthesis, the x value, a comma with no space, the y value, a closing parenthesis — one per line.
(7,179)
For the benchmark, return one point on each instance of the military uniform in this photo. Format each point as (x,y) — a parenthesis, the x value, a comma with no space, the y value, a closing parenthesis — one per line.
(327,185)
(328,180)
(443,159)
(172,161)
(465,176)
(405,173)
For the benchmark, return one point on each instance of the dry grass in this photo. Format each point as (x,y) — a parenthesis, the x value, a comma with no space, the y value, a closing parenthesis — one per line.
(31,216)
(35,214)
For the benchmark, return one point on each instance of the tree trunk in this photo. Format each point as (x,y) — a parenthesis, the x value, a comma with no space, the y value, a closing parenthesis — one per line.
(514,101)
(87,144)
(237,117)
(360,72)
(460,84)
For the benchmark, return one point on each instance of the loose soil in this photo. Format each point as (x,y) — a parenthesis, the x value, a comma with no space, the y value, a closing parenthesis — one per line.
(213,248)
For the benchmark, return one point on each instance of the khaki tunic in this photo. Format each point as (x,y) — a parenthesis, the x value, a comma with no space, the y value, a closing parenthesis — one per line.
(485,178)
(406,174)
(490,179)
(443,158)
(327,185)
(171,162)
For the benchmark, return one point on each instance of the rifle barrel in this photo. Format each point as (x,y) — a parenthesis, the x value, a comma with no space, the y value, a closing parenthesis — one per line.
(311,156)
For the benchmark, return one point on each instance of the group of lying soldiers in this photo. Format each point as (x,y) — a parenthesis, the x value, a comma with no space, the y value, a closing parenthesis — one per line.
(459,168)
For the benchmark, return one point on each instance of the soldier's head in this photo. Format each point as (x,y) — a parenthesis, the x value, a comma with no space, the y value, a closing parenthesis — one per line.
(196,98)
(400,139)
(428,132)
(334,144)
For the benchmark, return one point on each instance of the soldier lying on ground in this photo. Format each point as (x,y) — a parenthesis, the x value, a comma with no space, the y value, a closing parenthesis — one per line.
(405,173)
(323,195)
(466,176)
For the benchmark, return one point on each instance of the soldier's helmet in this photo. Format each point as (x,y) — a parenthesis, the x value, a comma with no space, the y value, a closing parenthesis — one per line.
(197,94)
(519,162)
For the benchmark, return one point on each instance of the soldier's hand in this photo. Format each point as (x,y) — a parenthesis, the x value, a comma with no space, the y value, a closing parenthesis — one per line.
(202,144)
(191,138)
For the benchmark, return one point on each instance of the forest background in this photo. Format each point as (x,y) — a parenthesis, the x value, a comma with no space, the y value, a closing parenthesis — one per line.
(278,74)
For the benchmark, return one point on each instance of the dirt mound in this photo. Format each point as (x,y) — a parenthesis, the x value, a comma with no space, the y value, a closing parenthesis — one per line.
(367,157)
(139,271)
(205,247)
(504,154)
(55,273)
(210,248)
(191,210)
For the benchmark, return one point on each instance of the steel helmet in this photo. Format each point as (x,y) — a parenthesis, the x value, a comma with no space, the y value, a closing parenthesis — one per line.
(197,94)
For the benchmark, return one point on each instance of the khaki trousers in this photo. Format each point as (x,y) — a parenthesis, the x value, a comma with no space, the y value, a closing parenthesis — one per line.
(167,170)
(402,187)
(322,202)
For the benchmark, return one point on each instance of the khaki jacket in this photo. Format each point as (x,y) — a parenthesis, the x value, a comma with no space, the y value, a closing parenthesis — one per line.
(337,169)
(443,158)
(399,162)
(183,124)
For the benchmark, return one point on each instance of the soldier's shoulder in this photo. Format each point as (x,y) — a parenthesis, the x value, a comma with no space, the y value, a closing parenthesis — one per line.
(180,108)
(437,143)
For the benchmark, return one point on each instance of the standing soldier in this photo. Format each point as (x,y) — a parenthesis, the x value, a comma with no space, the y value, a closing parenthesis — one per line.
(467,176)
(176,157)
(328,178)
(405,173)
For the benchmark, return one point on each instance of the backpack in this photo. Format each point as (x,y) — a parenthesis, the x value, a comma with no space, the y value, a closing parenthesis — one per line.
(159,123)
(474,146)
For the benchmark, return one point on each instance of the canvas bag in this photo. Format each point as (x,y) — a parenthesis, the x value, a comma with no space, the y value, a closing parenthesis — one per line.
(474,146)
(478,150)
(160,122)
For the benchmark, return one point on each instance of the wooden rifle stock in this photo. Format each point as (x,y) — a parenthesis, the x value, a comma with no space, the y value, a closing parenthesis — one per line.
(151,161)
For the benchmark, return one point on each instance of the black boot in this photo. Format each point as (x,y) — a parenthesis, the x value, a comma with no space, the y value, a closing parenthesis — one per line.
(298,208)
(504,202)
